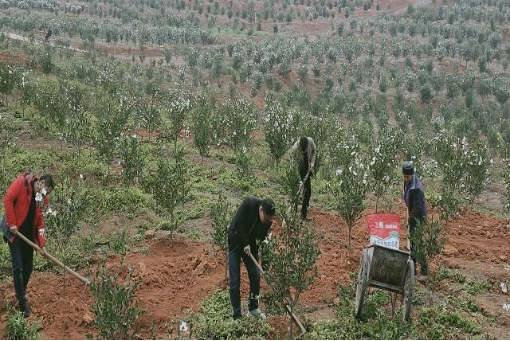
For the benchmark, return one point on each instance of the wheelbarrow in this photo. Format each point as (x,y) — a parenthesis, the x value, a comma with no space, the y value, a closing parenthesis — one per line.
(387,269)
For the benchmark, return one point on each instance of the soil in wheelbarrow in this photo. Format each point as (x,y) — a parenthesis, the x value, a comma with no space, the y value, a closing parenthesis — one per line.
(174,281)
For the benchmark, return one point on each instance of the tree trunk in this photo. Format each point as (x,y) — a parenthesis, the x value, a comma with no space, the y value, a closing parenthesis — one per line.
(64,262)
(107,172)
(172,230)
(349,240)
(226,267)
(291,326)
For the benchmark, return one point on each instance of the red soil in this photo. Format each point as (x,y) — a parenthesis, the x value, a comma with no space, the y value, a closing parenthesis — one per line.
(173,281)
(12,59)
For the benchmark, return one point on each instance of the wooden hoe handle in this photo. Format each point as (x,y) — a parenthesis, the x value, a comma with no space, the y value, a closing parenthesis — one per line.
(53,259)
(289,311)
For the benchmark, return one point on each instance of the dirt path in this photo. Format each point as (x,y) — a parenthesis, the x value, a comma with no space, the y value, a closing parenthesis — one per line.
(417,3)
(23,38)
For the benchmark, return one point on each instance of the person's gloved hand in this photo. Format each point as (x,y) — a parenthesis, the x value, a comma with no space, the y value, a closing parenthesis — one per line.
(247,250)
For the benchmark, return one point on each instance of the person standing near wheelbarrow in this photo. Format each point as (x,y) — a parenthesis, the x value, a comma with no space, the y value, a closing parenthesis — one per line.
(305,151)
(252,222)
(414,197)
(24,201)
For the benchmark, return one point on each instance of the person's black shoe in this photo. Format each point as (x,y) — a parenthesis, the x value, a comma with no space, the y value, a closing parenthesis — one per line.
(24,308)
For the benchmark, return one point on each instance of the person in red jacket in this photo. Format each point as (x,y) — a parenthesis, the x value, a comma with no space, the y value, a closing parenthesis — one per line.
(24,203)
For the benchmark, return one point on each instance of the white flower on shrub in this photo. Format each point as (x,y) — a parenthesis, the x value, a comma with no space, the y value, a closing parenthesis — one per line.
(50,212)
(38,197)
(268,238)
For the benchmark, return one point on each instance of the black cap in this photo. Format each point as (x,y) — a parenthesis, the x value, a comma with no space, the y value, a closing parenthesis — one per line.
(407,168)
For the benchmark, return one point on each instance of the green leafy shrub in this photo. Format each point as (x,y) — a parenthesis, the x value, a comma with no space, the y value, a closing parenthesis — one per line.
(442,324)
(280,128)
(202,126)
(31,160)
(291,262)
(350,185)
(478,286)
(383,162)
(5,262)
(132,158)
(169,185)
(215,321)
(18,328)
(221,214)
(376,324)
(427,239)
(126,200)
(463,303)
(119,242)
(289,182)
(115,308)
(446,273)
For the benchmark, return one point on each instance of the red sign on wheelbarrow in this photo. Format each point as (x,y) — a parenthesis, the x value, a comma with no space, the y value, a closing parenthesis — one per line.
(384,230)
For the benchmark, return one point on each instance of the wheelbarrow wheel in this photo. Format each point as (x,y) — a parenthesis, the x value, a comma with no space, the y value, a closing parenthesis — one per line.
(407,297)
(362,281)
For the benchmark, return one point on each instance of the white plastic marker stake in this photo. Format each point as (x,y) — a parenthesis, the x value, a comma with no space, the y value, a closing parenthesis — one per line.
(183,327)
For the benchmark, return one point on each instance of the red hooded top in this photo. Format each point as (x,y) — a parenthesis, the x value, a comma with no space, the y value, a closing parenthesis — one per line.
(17,203)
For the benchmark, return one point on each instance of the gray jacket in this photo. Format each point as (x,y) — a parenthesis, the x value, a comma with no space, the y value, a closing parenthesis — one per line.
(310,151)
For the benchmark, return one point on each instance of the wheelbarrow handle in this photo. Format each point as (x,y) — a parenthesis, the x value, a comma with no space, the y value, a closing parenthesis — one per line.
(53,259)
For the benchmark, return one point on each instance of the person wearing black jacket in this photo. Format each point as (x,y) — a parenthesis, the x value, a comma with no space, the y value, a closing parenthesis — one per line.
(414,196)
(252,222)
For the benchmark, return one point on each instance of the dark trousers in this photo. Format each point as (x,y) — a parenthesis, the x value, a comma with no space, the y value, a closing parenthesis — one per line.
(234,265)
(22,256)
(423,260)
(307,193)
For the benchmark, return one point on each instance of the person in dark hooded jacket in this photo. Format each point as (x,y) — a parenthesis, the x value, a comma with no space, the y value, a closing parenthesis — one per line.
(251,223)
(414,197)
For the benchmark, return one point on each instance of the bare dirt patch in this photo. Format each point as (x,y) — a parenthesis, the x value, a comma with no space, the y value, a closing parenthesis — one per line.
(9,58)
(174,281)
